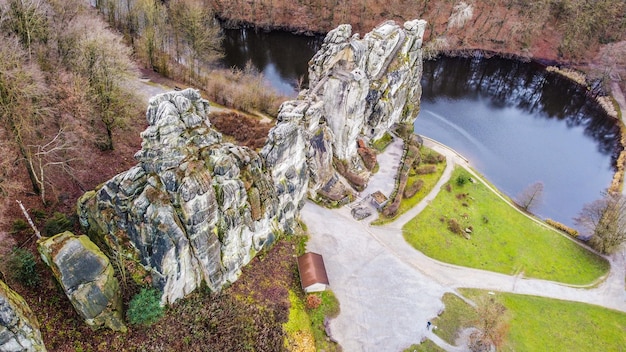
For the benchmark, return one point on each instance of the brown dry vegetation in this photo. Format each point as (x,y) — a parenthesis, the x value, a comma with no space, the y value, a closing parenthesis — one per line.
(246,130)
(243,317)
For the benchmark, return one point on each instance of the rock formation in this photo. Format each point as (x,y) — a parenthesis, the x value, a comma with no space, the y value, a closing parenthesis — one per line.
(359,88)
(19,329)
(196,210)
(87,278)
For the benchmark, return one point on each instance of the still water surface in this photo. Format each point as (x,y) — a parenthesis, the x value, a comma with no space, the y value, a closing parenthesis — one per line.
(516,123)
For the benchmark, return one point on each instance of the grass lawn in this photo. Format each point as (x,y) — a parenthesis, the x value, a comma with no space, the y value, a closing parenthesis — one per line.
(544,324)
(501,239)
(305,327)
(456,316)
(430,180)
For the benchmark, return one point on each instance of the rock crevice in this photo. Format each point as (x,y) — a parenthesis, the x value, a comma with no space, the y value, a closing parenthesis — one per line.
(195,209)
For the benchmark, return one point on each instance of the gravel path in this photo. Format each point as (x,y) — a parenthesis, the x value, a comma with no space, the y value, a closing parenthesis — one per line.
(388,290)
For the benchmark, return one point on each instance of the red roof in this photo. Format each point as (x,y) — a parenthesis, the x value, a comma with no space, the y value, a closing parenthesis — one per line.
(312,270)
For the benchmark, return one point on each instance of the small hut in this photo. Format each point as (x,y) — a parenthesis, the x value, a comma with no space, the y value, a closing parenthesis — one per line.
(312,272)
(379,200)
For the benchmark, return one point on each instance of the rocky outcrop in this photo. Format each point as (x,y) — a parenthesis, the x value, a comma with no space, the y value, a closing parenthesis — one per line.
(19,329)
(359,88)
(194,209)
(87,278)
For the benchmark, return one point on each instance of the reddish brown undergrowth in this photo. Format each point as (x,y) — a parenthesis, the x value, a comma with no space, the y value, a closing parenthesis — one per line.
(247,131)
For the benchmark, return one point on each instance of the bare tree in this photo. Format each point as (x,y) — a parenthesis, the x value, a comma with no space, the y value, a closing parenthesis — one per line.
(26,19)
(9,183)
(198,35)
(605,221)
(492,324)
(22,100)
(55,154)
(104,60)
(531,196)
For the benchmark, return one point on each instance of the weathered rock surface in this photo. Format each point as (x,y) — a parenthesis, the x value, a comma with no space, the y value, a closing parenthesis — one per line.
(87,277)
(359,88)
(194,209)
(19,328)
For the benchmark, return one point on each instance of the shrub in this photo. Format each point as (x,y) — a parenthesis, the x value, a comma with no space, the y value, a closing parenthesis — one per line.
(557,225)
(411,190)
(145,307)
(432,158)
(454,226)
(313,301)
(426,169)
(23,267)
(57,224)
(19,225)
(462,179)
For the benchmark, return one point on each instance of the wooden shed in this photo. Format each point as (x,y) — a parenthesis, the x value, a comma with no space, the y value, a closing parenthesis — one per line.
(312,272)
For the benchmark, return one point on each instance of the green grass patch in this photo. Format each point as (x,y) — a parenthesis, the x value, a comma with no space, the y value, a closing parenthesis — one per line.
(305,327)
(426,346)
(329,307)
(383,142)
(457,315)
(430,180)
(298,327)
(544,324)
(501,240)
(298,317)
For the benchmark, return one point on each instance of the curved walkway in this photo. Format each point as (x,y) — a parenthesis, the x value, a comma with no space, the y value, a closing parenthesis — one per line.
(388,290)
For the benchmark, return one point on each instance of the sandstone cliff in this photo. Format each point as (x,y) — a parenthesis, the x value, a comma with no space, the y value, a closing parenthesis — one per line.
(195,209)
(359,88)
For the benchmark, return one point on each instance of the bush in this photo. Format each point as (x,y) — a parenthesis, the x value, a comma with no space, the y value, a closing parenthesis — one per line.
(426,170)
(19,225)
(313,301)
(145,307)
(462,179)
(433,158)
(57,224)
(455,227)
(23,267)
(559,226)
(411,190)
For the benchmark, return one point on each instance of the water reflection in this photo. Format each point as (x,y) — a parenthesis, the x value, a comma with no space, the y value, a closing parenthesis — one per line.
(282,57)
(519,124)
(516,123)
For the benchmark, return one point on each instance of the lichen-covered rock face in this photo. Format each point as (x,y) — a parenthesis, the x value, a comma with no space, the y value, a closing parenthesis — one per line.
(194,209)
(87,278)
(359,88)
(19,329)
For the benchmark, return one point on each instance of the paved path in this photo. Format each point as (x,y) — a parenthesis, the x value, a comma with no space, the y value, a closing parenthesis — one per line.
(388,290)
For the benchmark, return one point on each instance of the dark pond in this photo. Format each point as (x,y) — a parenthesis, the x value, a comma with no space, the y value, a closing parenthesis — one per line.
(516,123)
(282,57)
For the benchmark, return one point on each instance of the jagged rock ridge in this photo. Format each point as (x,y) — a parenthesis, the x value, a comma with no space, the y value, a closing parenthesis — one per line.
(359,88)
(196,210)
